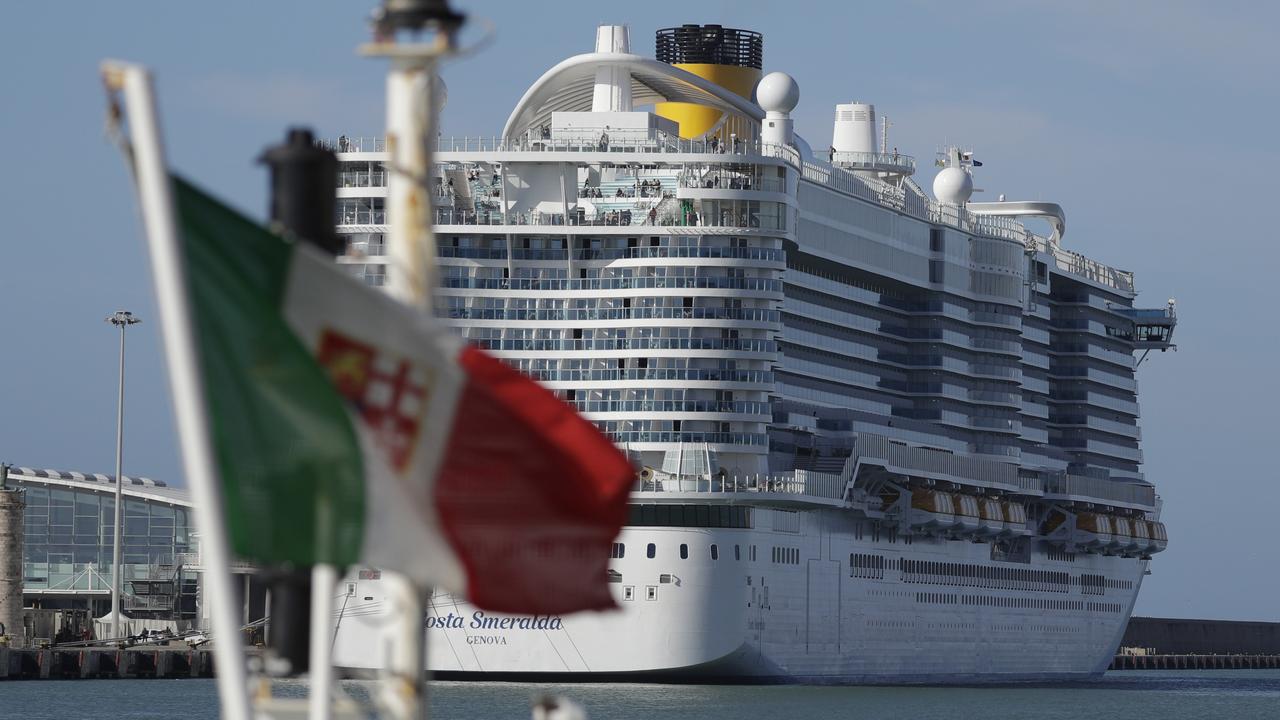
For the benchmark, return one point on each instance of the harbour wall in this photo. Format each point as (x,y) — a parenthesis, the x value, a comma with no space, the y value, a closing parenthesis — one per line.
(1171,636)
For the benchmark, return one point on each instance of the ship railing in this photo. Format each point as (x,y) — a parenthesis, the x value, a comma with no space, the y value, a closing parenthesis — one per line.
(801,482)
(889,162)
(601,139)
(731,181)
(887,195)
(603,218)
(363,178)
(344,144)
(758,315)
(1094,270)
(758,377)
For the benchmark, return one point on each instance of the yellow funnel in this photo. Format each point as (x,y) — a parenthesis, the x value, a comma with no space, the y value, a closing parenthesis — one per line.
(727,57)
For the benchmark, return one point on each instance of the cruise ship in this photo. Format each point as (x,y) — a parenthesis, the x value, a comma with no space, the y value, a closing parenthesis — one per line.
(881,434)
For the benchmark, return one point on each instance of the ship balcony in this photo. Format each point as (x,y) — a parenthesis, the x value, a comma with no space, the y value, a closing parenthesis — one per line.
(799,488)
(893,163)
(602,219)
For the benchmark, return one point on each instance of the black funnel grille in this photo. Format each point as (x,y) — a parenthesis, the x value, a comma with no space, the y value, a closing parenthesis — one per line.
(710,44)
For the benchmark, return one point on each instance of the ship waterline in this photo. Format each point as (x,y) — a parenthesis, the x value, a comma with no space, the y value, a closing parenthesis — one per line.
(884,437)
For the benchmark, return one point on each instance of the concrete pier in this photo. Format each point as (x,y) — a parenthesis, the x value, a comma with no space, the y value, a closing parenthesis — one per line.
(13,503)
(104,663)
(1195,662)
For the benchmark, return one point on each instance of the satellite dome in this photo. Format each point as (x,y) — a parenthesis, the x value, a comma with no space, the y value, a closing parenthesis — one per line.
(439,93)
(777,92)
(953,186)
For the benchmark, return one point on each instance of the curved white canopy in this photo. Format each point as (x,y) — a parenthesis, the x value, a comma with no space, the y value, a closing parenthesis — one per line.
(1052,212)
(569,86)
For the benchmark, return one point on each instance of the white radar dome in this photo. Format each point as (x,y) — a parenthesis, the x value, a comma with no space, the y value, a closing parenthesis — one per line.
(953,186)
(439,93)
(777,92)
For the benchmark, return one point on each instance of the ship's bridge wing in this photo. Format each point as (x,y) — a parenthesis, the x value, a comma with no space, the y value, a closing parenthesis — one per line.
(569,86)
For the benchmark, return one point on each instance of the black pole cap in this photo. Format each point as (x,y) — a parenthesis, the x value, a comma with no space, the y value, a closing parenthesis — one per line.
(418,15)
(304,180)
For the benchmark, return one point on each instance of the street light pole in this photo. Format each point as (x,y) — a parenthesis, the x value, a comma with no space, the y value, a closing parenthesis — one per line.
(121,319)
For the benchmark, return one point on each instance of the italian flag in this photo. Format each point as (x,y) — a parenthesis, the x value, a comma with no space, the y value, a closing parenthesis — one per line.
(352,429)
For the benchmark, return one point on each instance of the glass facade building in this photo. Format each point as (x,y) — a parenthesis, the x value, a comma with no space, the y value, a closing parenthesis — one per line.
(69,528)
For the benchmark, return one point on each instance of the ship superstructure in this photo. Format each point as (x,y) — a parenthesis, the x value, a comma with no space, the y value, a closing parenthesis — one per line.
(883,436)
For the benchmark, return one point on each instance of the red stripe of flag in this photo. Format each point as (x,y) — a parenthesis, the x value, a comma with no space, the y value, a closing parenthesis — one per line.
(530,494)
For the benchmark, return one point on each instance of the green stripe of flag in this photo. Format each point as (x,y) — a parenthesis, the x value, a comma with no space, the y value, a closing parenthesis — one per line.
(287,454)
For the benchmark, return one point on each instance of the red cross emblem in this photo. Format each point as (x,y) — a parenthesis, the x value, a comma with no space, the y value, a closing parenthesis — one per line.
(389,392)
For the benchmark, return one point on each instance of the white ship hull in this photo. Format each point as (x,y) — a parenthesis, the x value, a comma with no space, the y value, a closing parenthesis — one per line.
(801,620)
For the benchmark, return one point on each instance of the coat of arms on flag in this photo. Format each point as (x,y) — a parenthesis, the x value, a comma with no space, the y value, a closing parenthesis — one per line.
(389,393)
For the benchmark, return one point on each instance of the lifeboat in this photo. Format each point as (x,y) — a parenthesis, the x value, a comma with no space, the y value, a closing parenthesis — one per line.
(1159,537)
(968,518)
(1122,539)
(992,517)
(1015,519)
(1145,531)
(1093,531)
(931,509)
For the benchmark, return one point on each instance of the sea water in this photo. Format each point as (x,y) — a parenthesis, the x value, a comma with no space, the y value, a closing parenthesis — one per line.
(1166,695)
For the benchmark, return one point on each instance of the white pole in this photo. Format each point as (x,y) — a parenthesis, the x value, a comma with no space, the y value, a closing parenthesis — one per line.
(410,245)
(156,198)
(323,579)
(411,250)
(119,514)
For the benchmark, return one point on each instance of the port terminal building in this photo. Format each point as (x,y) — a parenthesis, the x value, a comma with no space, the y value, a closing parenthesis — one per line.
(68,529)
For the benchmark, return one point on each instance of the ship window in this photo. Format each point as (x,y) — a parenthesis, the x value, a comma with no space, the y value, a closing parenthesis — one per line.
(651,551)
(753,553)
(629,592)
(737,553)
(619,551)
(684,551)
(715,552)
(650,592)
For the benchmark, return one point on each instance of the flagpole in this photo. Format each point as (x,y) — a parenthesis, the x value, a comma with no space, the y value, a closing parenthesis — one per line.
(156,200)
(411,256)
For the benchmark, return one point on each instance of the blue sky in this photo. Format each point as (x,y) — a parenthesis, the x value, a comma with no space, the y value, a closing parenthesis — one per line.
(1151,122)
